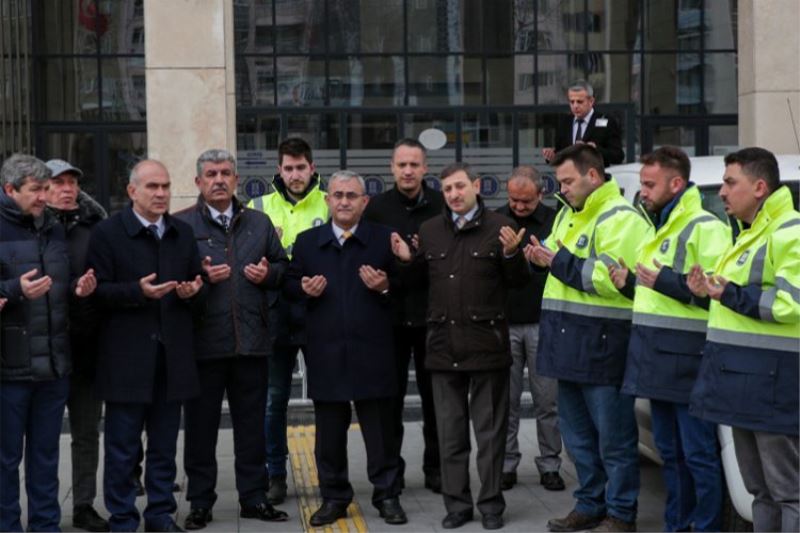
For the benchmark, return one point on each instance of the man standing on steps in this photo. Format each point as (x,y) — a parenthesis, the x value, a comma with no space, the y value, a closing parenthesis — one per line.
(242,257)
(525,207)
(404,208)
(297,204)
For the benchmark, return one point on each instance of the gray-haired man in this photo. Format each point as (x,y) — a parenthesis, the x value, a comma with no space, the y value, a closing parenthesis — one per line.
(242,257)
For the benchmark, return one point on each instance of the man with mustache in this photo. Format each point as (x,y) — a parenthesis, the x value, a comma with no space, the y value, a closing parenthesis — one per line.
(242,257)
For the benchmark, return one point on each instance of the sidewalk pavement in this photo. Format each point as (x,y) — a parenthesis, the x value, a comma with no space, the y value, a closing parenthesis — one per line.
(529,506)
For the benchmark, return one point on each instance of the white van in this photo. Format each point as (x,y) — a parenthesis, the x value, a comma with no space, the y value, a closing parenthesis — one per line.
(707,174)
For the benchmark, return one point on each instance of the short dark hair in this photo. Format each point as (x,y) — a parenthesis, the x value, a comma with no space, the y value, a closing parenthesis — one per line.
(670,157)
(449,170)
(757,163)
(410,143)
(583,156)
(294,147)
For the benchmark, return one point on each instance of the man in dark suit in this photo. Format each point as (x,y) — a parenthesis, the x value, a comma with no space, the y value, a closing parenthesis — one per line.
(404,208)
(587,125)
(342,270)
(242,257)
(149,291)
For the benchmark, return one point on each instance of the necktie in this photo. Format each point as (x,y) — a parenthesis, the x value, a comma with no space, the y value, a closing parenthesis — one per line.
(346,235)
(223,220)
(460,221)
(578,134)
(153,229)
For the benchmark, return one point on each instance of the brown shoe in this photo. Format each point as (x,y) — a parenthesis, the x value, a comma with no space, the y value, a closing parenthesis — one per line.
(610,523)
(574,521)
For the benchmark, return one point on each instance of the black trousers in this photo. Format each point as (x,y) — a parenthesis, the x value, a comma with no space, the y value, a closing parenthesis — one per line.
(245,381)
(408,341)
(375,416)
(482,397)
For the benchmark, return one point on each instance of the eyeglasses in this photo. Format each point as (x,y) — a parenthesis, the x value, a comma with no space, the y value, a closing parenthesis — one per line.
(352,196)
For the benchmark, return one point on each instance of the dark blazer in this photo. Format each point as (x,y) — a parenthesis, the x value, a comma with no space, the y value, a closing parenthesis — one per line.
(236,318)
(469,280)
(608,138)
(524,304)
(349,351)
(122,251)
(405,216)
(35,340)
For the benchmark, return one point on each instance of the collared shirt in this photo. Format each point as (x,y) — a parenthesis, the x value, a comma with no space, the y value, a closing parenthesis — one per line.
(338,232)
(158,223)
(215,214)
(584,124)
(469,215)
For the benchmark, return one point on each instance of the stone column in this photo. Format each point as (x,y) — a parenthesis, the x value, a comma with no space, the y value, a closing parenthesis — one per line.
(769,74)
(189,69)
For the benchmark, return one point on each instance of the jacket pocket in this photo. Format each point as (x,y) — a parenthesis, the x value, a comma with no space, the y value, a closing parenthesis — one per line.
(487,331)
(15,352)
(744,384)
(436,335)
(483,263)
(674,360)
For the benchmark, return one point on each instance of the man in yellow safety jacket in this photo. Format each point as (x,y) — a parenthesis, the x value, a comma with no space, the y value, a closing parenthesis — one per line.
(749,374)
(668,334)
(297,204)
(584,328)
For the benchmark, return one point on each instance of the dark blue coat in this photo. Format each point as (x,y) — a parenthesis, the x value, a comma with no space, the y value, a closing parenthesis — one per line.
(35,340)
(349,351)
(122,252)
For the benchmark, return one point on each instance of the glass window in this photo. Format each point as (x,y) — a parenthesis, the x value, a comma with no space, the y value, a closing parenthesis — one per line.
(416,123)
(120,27)
(365,26)
(368,131)
(78,149)
(435,26)
(125,149)
(124,96)
(301,81)
(255,81)
(561,24)
(252,26)
(673,25)
(721,92)
(435,80)
(723,140)
(472,74)
(681,136)
(300,26)
(618,25)
(495,21)
(672,83)
(68,27)
(258,132)
(614,77)
(320,130)
(367,81)
(524,77)
(720,24)
(524,26)
(499,70)
(555,73)
(68,89)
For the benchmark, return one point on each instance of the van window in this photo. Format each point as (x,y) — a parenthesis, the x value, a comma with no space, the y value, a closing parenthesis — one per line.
(712,202)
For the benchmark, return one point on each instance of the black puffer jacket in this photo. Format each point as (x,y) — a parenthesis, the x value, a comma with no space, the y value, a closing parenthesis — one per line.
(35,340)
(78,224)
(469,278)
(405,216)
(235,322)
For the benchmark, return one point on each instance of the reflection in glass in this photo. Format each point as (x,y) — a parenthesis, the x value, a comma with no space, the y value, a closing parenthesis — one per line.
(721,90)
(119,25)
(721,16)
(673,24)
(556,72)
(472,74)
(523,76)
(365,26)
(299,25)
(723,140)
(68,27)
(435,80)
(618,25)
(68,89)
(680,136)
(301,81)
(124,95)
(487,130)
(259,132)
(252,26)
(435,26)
(368,131)
(369,81)
(125,149)
(501,80)
(416,123)
(615,78)
(561,24)
(672,83)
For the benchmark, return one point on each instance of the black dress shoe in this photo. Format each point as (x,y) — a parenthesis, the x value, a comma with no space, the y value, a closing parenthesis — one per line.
(454,520)
(492,521)
(391,511)
(329,513)
(198,518)
(264,511)
(86,518)
(508,480)
(433,481)
(552,481)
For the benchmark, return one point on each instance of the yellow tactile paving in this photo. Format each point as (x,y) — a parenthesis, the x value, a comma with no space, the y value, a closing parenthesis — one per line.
(306,482)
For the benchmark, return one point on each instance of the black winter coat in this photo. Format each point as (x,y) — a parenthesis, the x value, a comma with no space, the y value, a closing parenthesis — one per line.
(350,349)
(525,303)
(469,279)
(78,224)
(236,317)
(392,208)
(122,251)
(34,340)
